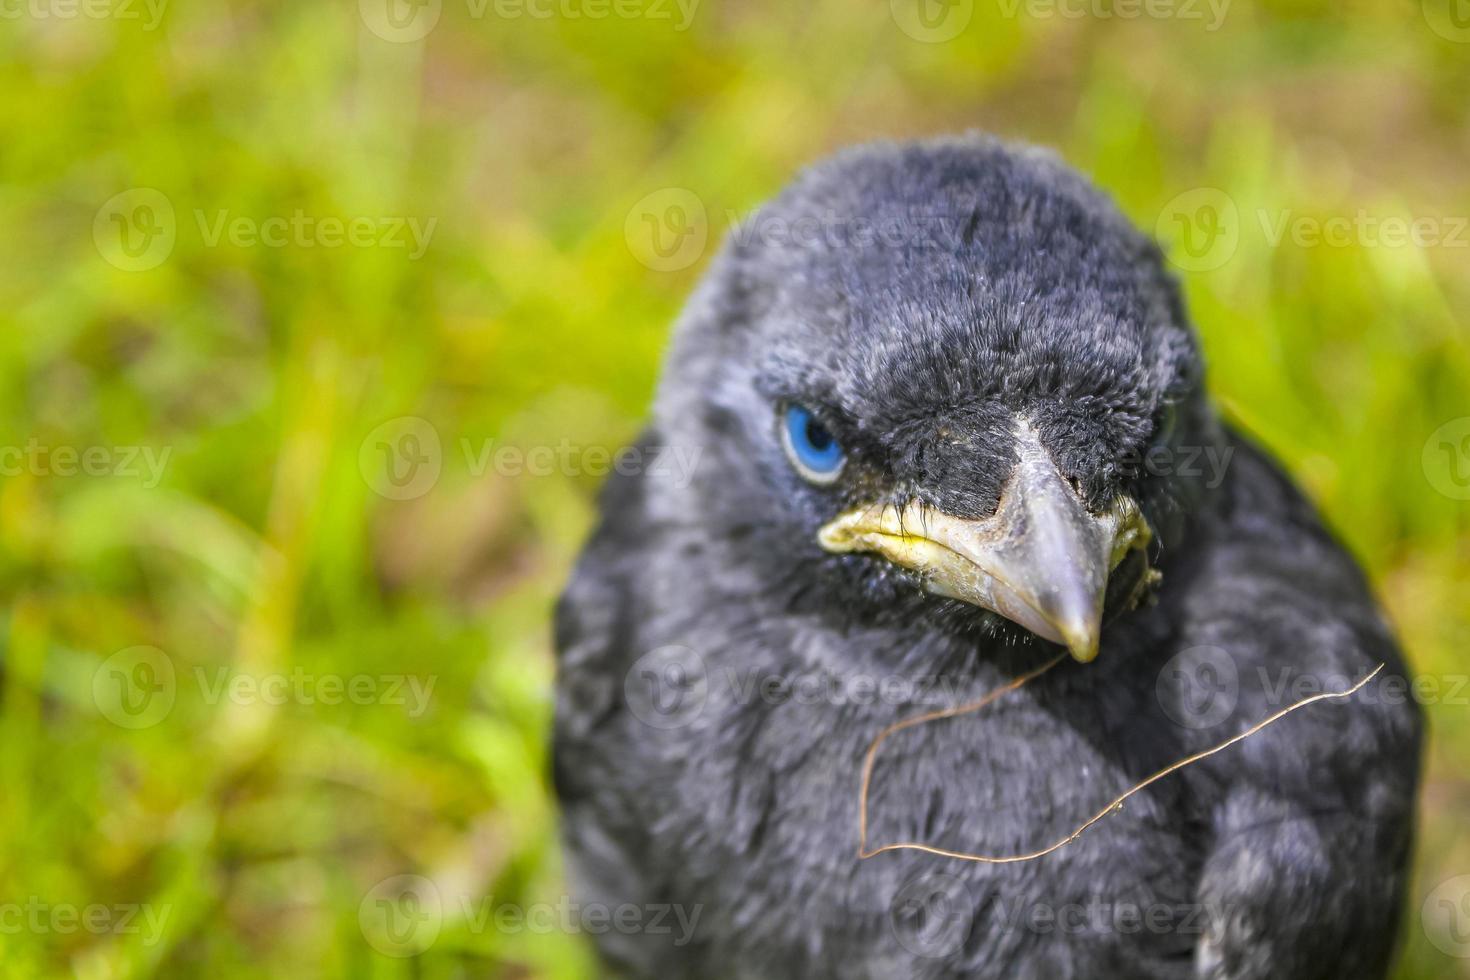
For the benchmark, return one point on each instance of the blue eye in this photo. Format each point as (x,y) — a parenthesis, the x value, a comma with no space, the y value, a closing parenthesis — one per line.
(814,451)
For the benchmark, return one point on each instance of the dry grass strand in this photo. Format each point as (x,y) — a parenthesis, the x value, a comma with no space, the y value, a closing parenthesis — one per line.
(872,755)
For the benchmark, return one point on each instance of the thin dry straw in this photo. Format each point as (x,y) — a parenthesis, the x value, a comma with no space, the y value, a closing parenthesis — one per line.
(1117,804)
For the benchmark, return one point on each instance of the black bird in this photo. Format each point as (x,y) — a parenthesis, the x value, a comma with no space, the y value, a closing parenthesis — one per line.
(949,417)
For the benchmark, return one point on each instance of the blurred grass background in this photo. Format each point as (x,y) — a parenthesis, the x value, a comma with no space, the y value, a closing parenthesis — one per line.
(536,314)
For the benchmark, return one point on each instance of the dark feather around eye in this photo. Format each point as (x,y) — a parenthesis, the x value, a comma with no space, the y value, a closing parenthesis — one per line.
(1166,420)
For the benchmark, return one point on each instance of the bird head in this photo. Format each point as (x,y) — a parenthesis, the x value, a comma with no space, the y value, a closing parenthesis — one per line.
(926,382)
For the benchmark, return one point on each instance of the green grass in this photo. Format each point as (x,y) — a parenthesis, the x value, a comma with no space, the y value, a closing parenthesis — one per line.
(257,832)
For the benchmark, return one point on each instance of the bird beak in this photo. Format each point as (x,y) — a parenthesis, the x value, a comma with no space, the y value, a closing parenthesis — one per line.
(1041,560)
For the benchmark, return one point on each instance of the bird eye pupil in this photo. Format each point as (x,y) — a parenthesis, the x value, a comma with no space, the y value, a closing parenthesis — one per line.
(820,439)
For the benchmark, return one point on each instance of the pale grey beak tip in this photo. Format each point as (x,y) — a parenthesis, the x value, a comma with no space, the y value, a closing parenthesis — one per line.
(1082,642)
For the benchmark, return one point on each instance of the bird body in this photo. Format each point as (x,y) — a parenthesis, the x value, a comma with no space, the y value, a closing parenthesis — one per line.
(724,665)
